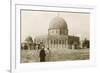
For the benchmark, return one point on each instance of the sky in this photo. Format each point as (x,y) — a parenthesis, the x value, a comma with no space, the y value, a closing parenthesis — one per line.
(34,23)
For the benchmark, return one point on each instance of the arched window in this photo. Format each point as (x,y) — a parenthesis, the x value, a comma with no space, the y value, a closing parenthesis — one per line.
(54,41)
(51,41)
(59,41)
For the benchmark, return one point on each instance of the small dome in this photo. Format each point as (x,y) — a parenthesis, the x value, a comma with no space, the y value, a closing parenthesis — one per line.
(58,23)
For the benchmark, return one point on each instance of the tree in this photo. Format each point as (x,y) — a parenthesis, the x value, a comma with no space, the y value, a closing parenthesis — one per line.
(34,45)
(25,47)
(86,43)
(29,42)
(29,39)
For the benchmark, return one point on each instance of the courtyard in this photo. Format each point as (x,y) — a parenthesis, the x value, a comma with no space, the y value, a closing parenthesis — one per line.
(29,56)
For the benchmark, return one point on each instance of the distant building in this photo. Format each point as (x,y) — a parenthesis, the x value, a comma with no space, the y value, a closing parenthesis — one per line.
(73,42)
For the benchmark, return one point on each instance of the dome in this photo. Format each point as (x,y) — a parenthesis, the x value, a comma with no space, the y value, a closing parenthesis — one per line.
(58,23)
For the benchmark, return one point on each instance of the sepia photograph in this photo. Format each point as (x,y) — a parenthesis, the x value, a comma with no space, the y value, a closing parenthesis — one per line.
(53,36)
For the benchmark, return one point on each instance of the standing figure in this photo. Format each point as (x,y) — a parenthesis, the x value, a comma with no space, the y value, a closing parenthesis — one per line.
(47,54)
(42,55)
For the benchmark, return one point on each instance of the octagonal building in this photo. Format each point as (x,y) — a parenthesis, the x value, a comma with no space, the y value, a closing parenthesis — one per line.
(58,33)
(57,36)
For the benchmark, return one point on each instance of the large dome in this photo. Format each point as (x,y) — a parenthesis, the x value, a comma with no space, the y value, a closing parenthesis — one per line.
(58,23)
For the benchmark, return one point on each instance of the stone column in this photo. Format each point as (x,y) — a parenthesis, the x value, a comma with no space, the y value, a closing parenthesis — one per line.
(67,44)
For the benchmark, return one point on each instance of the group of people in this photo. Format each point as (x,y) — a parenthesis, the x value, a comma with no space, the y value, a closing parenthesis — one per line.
(44,55)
